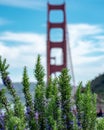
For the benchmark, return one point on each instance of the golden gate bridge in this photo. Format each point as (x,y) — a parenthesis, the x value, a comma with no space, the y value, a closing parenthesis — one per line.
(64,45)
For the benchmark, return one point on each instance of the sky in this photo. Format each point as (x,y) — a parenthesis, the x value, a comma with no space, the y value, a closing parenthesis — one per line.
(23,35)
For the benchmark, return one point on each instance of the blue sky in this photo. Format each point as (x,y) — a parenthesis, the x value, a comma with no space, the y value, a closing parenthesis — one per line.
(23,35)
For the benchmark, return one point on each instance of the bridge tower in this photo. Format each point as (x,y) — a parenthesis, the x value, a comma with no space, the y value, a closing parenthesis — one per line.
(54,68)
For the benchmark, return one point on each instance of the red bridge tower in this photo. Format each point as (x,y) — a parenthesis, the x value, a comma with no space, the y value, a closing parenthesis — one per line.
(54,68)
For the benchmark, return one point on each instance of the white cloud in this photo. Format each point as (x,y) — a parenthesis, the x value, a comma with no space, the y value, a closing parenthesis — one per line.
(28,46)
(21,37)
(86,44)
(24,53)
(33,4)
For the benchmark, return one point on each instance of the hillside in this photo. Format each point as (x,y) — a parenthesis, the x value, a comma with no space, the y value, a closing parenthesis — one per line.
(98,85)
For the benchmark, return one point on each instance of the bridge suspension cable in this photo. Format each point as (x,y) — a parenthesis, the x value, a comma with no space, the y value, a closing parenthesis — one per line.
(69,56)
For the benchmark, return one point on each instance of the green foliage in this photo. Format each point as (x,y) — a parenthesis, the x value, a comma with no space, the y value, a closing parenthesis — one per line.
(79,102)
(18,107)
(65,92)
(86,107)
(28,99)
(100,124)
(49,89)
(39,72)
(14,122)
(97,85)
(51,106)
(89,116)
(53,111)
(3,100)
(39,98)
(40,106)
(3,67)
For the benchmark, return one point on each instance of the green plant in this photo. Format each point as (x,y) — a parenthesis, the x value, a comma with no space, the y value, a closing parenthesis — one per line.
(89,108)
(51,107)
(86,107)
(53,111)
(28,101)
(18,111)
(39,98)
(100,124)
(65,93)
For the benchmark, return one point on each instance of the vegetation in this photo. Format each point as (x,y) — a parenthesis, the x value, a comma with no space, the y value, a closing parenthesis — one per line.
(51,107)
(97,85)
